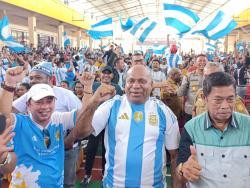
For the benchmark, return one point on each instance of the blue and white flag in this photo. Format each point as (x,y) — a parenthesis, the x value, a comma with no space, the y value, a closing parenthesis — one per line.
(66,39)
(142,29)
(101,29)
(5,29)
(15,46)
(128,25)
(7,38)
(159,49)
(220,26)
(179,18)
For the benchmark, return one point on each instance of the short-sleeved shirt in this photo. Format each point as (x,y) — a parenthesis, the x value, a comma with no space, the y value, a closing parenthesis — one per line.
(135,136)
(223,155)
(37,165)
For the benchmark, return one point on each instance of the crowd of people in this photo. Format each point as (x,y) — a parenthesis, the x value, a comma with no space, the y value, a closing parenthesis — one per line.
(147,111)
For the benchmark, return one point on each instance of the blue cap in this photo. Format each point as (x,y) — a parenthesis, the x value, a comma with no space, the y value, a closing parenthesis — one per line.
(43,67)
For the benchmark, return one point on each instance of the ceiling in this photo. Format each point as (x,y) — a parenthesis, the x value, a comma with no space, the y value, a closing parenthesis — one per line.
(101,9)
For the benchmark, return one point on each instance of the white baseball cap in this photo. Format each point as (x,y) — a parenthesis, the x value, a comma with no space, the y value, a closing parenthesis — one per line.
(40,91)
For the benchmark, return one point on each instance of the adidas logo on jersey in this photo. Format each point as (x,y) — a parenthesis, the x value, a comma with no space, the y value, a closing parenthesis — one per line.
(124,116)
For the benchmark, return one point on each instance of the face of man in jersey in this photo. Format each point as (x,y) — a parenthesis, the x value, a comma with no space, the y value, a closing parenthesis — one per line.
(138,84)
(38,78)
(42,109)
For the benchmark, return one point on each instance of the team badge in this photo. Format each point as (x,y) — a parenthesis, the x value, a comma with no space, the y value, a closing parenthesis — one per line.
(153,120)
(57,135)
(138,116)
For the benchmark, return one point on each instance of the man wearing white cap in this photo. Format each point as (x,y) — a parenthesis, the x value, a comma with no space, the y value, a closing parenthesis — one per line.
(67,101)
(39,136)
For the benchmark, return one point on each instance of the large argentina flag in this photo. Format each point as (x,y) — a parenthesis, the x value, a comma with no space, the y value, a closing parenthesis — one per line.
(179,18)
(218,27)
(5,29)
(101,29)
(7,38)
(143,28)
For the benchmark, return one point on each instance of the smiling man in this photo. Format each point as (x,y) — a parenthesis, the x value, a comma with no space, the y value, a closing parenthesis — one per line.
(39,136)
(220,153)
(137,128)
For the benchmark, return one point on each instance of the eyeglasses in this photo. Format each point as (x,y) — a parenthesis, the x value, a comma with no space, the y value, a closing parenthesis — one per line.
(46,138)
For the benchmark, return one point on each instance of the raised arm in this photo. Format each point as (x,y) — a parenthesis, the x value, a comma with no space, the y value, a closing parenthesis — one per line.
(13,76)
(83,126)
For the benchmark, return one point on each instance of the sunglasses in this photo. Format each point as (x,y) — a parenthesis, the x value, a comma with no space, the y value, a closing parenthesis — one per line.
(46,138)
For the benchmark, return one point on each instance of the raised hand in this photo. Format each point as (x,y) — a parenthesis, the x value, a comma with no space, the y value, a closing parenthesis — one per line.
(14,75)
(104,92)
(87,79)
(5,138)
(191,168)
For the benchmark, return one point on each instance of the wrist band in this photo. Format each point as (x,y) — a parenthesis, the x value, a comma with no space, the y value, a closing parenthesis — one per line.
(8,88)
(89,93)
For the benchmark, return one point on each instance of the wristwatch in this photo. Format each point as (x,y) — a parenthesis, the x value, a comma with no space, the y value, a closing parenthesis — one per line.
(179,169)
(7,160)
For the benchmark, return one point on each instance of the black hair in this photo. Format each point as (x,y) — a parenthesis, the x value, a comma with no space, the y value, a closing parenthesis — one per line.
(201,55)
(66,82)
(217,79)
(26,85)
(155,60)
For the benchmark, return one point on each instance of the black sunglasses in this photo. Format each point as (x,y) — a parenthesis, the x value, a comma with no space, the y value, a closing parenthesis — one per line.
(46,138)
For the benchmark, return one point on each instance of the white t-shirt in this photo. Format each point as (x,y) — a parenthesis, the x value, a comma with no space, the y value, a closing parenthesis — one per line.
(157,76)
(66,101)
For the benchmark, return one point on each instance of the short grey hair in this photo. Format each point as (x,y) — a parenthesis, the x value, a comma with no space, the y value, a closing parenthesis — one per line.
(215,65)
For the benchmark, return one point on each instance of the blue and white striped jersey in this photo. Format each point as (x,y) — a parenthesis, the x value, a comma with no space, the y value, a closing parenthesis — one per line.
(135,137)
(174,60)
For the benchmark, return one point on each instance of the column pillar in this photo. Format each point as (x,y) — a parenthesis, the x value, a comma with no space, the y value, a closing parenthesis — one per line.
(78,38)
(60,36)
(32,31)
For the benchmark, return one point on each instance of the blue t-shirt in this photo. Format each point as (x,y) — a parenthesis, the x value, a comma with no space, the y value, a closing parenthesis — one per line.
(39,165)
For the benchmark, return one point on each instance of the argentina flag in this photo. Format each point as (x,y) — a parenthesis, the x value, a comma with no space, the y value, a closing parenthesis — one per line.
(7,38)
(159,49)
(218,27)
(66,39)
(128,25)
(179,18)
(5,29)
(101,29)
(15,46)
(142,29)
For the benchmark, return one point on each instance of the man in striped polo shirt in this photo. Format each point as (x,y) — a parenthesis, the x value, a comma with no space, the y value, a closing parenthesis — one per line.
(137,128)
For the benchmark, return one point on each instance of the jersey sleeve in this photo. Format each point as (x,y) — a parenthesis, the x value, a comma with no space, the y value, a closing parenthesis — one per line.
(172,134)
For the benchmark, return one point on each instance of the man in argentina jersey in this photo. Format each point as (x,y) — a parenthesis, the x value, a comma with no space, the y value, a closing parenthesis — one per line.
(39,136)
(173,59)
(137,130)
